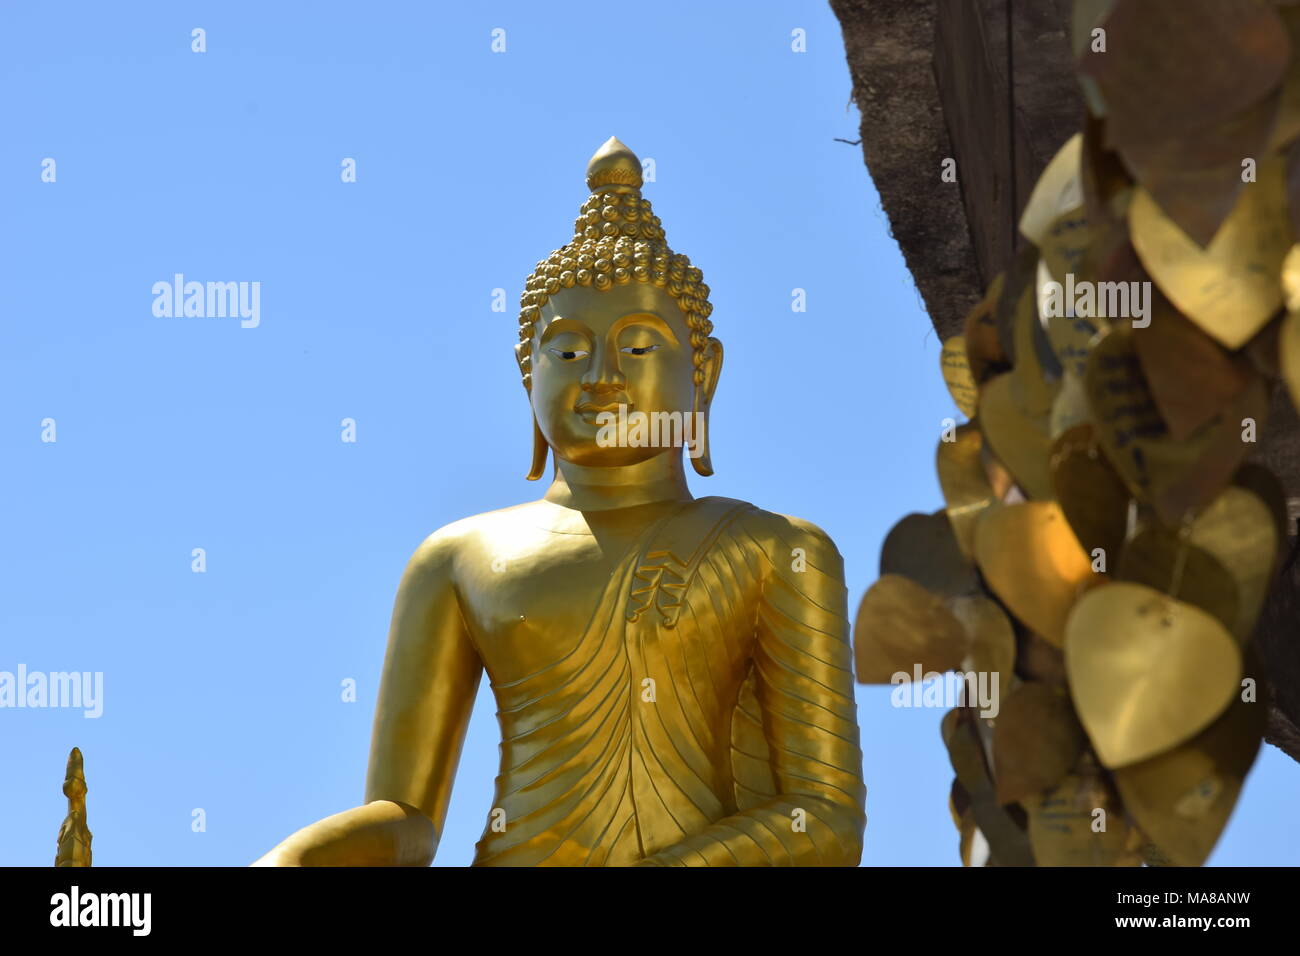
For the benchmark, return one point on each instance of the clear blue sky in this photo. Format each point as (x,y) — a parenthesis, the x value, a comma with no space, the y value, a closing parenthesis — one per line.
(222,689)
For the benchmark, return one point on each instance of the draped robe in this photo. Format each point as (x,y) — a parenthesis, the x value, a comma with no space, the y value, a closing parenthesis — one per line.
(705,716)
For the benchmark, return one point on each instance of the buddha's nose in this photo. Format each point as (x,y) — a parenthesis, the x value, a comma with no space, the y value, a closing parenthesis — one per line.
(603,375)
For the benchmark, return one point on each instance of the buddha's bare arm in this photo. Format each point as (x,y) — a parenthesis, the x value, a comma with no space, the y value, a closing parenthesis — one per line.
(430,679)
(804,671)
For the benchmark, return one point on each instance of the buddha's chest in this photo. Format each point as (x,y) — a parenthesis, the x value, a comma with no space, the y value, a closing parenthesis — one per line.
(527,605)
(575,610)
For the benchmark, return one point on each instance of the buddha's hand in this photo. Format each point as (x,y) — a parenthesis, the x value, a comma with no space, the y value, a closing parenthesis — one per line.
(381,833)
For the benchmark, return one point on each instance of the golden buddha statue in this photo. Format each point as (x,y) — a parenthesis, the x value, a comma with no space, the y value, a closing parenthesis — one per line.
(672,675)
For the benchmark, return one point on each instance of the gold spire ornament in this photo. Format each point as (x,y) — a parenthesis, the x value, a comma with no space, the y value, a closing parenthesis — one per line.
(74,835)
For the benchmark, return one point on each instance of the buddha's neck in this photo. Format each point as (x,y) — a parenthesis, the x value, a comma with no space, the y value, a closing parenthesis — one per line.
(660,478)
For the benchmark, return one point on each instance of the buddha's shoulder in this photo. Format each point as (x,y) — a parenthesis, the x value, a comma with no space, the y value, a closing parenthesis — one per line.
(772,533)
(479,533)
(780,533)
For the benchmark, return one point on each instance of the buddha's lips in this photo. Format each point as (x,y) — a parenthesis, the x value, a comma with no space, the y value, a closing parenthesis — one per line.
(583,408)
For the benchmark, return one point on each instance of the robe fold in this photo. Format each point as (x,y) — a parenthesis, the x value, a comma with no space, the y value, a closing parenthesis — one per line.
(705,716)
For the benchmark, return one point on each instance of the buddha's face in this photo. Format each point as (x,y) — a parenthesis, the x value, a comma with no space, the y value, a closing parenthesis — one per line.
(594,351)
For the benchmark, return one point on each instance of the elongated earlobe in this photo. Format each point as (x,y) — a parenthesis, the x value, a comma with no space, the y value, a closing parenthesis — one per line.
(540,448)
(703,462)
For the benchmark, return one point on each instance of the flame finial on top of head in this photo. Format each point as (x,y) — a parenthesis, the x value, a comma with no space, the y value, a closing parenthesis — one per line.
(613,165)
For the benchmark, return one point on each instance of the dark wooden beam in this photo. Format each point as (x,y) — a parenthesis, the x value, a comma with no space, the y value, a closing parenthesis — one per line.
(904,141)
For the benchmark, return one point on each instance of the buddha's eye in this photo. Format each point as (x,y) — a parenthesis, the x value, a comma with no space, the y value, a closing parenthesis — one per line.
(639,349)
(568,355)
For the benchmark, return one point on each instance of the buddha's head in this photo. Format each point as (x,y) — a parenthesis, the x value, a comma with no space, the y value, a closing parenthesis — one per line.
(616,324)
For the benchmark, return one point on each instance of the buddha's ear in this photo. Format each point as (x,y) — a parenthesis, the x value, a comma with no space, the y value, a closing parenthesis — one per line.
(701,457)
(524,356)
(524,359)
(712,369)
